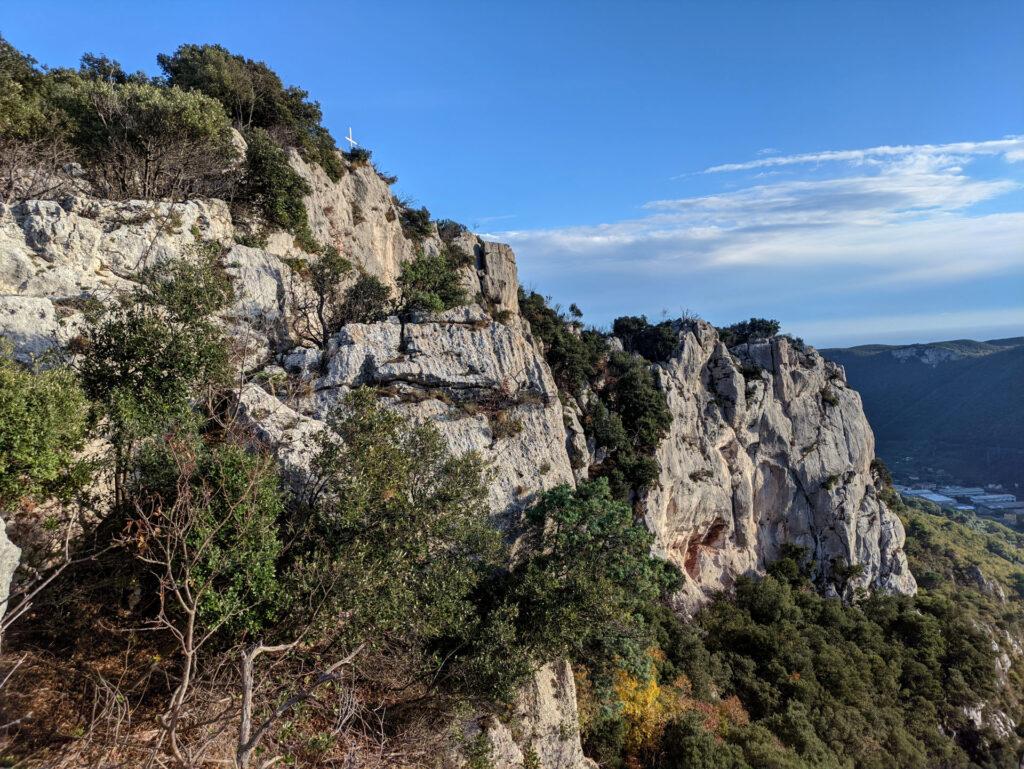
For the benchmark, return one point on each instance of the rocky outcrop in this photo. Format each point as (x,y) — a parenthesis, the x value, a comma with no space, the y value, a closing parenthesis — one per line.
(767,446)
(543,728)
(10,555)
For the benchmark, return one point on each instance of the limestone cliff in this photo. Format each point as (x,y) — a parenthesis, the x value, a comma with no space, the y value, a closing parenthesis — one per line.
(768,445)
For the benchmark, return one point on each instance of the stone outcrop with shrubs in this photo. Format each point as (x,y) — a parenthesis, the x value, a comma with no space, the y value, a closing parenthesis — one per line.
(292,474)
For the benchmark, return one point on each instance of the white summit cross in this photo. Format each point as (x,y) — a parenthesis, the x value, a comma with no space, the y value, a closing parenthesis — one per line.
(351,142)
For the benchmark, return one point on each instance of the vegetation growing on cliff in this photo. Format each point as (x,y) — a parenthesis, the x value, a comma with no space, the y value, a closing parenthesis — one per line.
(630,415)
(163,137)
(202,579)
(779,676)
(431,283)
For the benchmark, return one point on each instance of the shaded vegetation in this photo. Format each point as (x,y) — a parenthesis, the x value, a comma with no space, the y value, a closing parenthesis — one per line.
(655,342)
(748,331)
(42,428)
(779,676)
(432,283)
(630,416)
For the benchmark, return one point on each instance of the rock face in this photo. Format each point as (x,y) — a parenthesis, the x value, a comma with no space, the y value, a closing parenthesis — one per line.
(10,555)
(767,446)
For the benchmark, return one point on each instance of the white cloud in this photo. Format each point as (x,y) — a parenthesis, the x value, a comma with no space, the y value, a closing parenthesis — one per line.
(895,215)
(1012,147)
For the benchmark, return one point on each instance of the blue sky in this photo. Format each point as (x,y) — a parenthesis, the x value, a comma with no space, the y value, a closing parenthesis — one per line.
(847,167)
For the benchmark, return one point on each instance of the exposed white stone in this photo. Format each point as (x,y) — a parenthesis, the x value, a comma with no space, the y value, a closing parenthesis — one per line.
(767,446)
(758,453)
(10,557)
(30,324)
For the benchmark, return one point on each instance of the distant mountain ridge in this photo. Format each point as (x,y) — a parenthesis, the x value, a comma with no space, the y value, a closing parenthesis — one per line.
(965,348)
(955,406)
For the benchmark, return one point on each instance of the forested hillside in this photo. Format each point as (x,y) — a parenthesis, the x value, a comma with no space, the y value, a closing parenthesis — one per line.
(954,406)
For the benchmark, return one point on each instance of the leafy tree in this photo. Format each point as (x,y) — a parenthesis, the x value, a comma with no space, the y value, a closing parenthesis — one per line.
(574,357)
(274,189)
(146,363)
(629,423)
(578,591)
(326,299)
(415,222)
(431,283)
(33,144)
(397,533)
(748,330)
(368,300)
(107,70)
(255,98)
(42,427)
(589,572)
(655,343)
(213,509)
(21,108)
(137,139)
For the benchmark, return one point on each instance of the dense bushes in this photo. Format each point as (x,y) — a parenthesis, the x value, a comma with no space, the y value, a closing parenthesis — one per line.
(140,140)
(274,189)
(147,358)
(325,296)
(170,137)
(748,330)
(578,591)
(431,283)
(397,535)
(133,137)
(656,343)
(42,427)
(629,423)
(255,98)
(630,416)
(208,512)
(573,354)
(415,222)
(779,676)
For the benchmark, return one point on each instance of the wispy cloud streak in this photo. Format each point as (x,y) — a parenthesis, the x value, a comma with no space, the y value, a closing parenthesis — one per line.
(1012,147)
(896,214)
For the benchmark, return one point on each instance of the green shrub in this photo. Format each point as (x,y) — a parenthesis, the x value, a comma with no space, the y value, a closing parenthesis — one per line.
(629,423)
(589,571)
(631,415)
(220,505)
(358,156)
(398,532)
(577,591)
(748,330)
(574,358)
(656,343)
(23,107)
(415,222)
(255,98)
(368,300)
(322,305)
(141,140)
(42,427)
(448,229)
(431,284)
(145,364)
(274,189)
(191,290)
